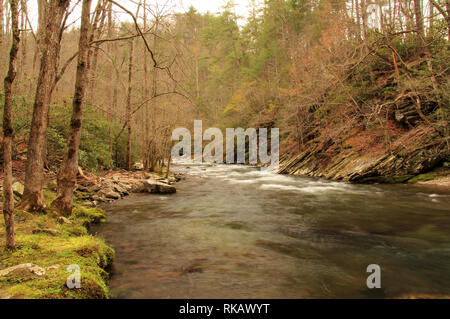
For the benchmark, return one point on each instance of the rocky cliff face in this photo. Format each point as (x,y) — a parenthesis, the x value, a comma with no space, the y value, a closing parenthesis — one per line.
(415,152)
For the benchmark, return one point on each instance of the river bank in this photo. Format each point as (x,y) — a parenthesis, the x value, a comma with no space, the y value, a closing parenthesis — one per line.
(47,244)
(415,156)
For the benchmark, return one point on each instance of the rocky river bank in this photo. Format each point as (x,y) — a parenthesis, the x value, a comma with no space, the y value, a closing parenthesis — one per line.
(47,244)
(415,157)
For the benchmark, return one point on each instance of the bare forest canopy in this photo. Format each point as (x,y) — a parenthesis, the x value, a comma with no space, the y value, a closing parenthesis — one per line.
(318,70)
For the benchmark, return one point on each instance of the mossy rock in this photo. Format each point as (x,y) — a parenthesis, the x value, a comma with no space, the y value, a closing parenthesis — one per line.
(386,179)
(92,214)
(422,178)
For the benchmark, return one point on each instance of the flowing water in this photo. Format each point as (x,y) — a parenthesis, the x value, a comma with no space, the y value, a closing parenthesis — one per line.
(233,231)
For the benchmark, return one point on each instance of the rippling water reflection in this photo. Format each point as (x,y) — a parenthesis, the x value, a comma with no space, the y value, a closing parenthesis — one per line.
(234,232)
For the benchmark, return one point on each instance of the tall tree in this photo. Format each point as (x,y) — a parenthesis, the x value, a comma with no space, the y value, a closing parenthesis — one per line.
(23,5)
(109,70)
(144,97)
(1,31)
(128,111)
(8,198)
(67,176)
(419,26)
(34,167)
(96,33)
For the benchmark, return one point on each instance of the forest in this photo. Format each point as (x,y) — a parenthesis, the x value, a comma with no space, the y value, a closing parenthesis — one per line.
(359,90)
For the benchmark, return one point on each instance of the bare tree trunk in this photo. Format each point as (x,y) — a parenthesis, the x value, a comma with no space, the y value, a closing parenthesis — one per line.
(168,164)
(430,16)
(447,6)
(358,20)
(67,176)
(419,27)
(23,4)
(8,19)
(145,97)
(34,166)
(151,152)
(42,18)
(364,34)
(109,75)
(2,25)
(8,197)
(96,34)
(128,112)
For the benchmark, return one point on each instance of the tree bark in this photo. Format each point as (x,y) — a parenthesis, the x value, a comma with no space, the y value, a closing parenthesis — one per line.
(8,197)
(1,32)
(67,176)
(151,152)
(42,18)
(146,108)
(96,33)
(419,27)
(447,18)
(128,112)
(358,20)
(23,4)
(34,167)
(109,72)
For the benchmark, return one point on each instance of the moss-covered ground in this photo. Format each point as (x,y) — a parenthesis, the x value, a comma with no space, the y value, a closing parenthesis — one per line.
(70,244)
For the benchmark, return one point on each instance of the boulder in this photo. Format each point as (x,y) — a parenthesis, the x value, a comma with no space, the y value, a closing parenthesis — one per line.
(94,188)
(107,184)
(18,188)
(63,220)
(148,175)
(127,186)
(178,177)
(30,268)
(157,187)
(109,193)
(82,188)
(120,189)
(97,198)
(138,166)
(138,187)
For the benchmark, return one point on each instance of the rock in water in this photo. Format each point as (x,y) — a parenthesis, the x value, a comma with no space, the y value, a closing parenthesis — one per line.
(120,189)
(156,187)
(108,193)
(165,188)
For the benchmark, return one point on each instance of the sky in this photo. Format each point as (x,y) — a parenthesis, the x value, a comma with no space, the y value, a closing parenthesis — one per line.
(203,6)
(215,5)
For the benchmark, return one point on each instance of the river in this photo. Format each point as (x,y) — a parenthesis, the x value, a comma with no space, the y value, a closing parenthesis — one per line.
(233,231)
